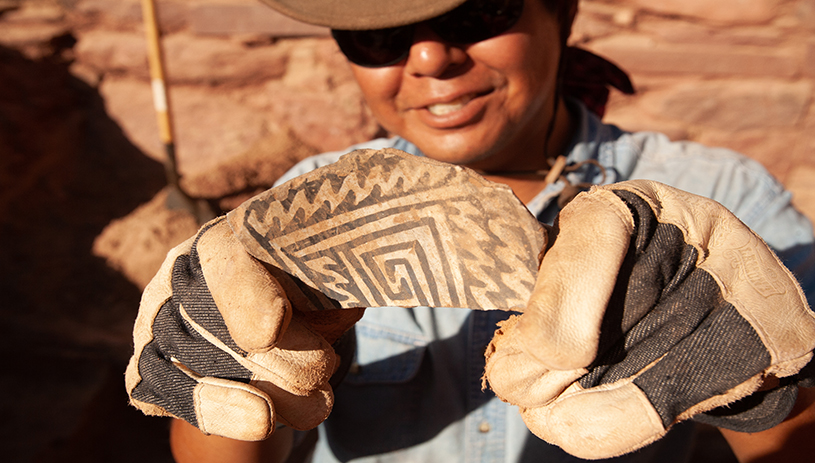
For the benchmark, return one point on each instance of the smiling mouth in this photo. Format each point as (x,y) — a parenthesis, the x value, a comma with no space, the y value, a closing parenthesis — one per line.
(440,109)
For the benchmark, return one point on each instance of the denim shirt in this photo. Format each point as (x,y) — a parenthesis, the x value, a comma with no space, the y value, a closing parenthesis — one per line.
(414,392)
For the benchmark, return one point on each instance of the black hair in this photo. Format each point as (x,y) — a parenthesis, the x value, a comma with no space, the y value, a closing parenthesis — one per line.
(563,11)
(551,5)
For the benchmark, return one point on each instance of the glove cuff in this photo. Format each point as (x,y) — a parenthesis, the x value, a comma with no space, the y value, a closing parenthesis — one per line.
(757,412)
(763,409)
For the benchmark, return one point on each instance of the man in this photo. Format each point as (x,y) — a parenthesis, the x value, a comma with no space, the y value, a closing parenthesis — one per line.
(481,84)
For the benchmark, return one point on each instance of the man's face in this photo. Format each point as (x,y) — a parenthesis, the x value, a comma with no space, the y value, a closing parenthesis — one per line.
(485,105)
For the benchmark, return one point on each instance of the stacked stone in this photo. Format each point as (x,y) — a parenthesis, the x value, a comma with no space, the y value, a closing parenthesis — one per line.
(246,80)
(733,73)
(242,78)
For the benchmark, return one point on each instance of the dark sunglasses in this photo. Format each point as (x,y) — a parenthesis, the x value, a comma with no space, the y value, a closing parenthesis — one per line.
(471,22)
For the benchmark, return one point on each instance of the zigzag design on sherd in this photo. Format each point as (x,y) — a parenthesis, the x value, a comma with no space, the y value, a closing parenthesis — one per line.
(382,228)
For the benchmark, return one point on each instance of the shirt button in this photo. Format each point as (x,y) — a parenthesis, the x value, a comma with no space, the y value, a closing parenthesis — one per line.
(484,427)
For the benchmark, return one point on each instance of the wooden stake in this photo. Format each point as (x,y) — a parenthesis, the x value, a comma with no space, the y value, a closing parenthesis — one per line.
(200,209)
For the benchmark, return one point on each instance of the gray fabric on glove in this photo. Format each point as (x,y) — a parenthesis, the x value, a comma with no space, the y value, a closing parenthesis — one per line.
(217,344)
(652,306)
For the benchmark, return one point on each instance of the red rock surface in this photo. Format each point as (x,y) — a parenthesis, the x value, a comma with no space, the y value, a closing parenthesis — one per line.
(85,223)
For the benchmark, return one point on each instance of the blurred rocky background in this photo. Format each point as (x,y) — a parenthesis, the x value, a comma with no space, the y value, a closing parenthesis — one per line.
(84,221)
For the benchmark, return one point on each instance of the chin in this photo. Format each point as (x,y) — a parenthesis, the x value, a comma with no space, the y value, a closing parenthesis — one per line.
(457,157)
(453,153)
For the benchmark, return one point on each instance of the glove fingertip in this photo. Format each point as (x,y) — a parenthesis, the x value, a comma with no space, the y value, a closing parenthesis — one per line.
(597,423)
(555,349)
(517,378)
(251,301)
(304,412)
(234,410)
(561,324)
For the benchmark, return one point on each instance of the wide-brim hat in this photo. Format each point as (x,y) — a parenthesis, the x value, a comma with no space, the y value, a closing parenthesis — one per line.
(362,14)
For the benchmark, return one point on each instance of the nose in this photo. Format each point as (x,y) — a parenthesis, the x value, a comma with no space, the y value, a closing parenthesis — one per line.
(430,56)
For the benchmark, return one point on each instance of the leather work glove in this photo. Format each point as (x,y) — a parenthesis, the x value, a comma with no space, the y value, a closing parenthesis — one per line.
(218,344)
(235,332)
(652,306)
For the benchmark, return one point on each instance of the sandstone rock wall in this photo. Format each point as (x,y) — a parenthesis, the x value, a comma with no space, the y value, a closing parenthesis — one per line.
(734,73)
(251,91)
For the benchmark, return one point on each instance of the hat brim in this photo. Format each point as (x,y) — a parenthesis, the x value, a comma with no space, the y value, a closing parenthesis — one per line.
(362,14)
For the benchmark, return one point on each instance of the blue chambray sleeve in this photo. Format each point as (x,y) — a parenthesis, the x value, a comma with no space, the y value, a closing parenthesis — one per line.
(790,234)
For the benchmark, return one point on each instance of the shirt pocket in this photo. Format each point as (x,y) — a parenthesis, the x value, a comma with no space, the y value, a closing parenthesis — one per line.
(385,355)
(384,398)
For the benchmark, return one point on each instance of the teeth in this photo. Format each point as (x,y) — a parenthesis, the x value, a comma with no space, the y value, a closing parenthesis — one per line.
(440,109)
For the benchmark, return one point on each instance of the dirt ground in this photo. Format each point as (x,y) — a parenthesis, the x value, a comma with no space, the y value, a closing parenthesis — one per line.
(66,171)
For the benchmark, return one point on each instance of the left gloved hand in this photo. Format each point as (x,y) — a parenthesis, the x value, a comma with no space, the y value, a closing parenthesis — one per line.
(652,306)
(235,332)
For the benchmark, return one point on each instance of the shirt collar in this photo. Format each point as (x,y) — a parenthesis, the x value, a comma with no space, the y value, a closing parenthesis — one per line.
(587,144)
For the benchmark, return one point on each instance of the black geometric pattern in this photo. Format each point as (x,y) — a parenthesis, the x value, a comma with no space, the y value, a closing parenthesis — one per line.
(385,228)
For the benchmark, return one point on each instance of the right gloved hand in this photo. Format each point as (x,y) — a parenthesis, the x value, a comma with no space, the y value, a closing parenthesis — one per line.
(218,344)
(652,306)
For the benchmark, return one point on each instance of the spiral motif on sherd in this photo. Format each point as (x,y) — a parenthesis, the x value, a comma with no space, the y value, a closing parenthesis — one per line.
(385,228)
